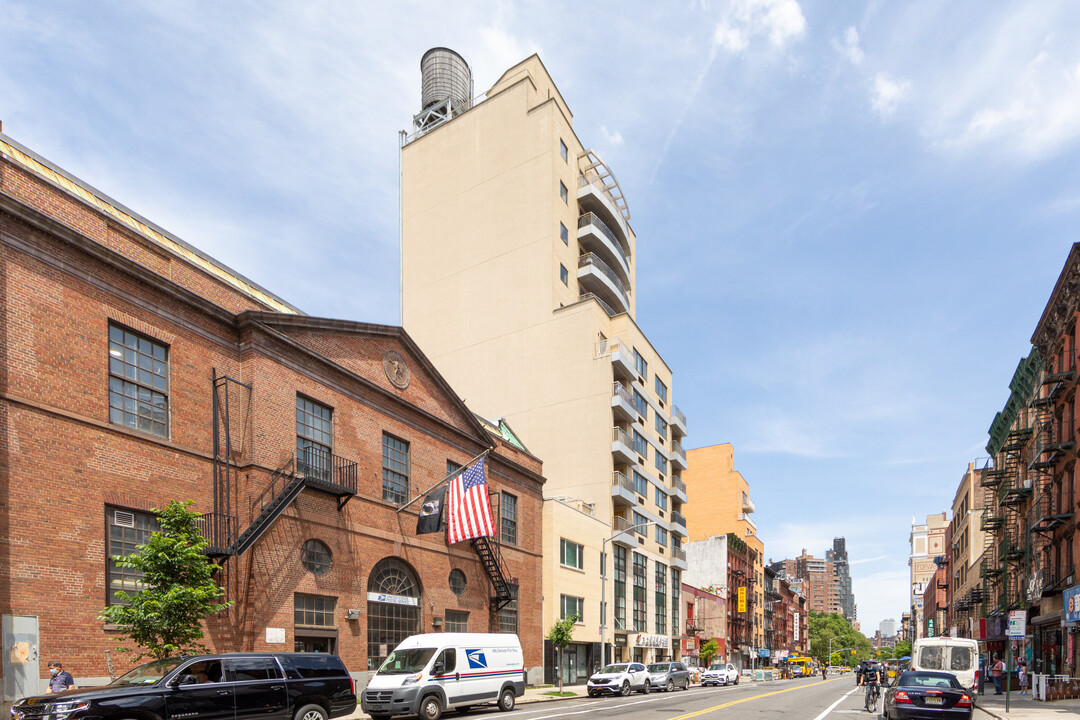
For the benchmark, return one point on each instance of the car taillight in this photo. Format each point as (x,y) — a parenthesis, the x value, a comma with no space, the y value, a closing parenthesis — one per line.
(964,701)
(352,683)
(901,697)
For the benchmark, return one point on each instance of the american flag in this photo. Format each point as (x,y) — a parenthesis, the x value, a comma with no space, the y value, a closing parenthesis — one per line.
(468,511)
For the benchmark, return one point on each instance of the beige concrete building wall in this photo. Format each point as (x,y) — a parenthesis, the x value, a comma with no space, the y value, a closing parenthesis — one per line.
(483,294)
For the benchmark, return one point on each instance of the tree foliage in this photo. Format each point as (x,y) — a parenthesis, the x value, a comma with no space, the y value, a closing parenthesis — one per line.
(845,639)
(709,650)
(903,648)
(561,635)
(165,618)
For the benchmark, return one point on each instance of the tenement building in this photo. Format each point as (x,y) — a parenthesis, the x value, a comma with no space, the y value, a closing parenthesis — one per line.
(519,277)
(138,370)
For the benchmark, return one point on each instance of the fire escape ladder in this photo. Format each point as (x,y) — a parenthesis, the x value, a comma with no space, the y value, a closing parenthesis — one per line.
(270,504)
(491,559)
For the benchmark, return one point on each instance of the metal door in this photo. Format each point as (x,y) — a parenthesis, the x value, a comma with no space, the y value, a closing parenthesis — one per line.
(22,668)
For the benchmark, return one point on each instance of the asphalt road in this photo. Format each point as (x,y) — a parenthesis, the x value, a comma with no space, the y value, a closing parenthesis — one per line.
(803,699)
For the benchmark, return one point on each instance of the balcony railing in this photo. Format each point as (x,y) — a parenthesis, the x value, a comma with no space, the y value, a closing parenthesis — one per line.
(219,529)
(594,220)
(678,484)
(592,259)
(320,465)
(619,479)
(620,524)
(621,392)
(620,435)
(676,412)
(678,519)
(679,555)
(607,308)
(677,447)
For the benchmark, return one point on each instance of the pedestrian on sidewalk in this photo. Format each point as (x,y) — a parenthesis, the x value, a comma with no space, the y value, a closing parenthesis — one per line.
(59,679)
(995,674)
(1023,677)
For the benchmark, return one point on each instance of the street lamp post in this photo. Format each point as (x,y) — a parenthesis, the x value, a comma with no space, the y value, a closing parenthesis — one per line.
(603,587)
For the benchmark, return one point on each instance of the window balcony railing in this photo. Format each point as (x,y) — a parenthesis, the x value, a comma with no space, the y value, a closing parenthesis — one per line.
(323,467)
(593,220)
(678,519)
(607,308)
(678,484)
(593,260)
(677,413)
(620,435)
(676,446)
(679,555)
(620,480)
(621,392)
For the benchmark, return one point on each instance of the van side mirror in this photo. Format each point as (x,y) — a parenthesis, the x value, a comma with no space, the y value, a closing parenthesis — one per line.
(438,668)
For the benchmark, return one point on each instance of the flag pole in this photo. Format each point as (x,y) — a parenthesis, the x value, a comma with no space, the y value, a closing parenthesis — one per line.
(446,479)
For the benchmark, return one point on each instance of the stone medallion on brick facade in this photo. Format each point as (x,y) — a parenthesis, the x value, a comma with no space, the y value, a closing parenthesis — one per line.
(397,372)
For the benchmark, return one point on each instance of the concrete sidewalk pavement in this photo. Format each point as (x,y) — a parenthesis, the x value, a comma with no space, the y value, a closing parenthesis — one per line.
(1025,707)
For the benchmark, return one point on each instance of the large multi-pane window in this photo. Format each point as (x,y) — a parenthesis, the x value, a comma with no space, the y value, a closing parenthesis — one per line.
(660,463)
(640,521)
(661,499)
(661,599)
(641,485)
(661,426)
(641,447)
(661,536)
(641,404)
(640,568)
(572,607)
(391,622)
(395,469)
(508,614)
(571,554)
(314,439)
(313,610)
(457,621)
(640,364)
(509,518)
(620,587)
(676,594)
(661,389)
(138,382)
(127,530)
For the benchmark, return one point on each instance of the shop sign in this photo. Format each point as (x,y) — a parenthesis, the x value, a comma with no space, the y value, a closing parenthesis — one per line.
(742,600)
(392,599)
(651,641)
(796,627)
(1072,604)
(620,641)
(930,627)
(763,652)
(1017,623)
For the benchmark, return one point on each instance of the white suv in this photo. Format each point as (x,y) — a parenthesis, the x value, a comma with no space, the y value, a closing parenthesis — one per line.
(720,674)
(620,679)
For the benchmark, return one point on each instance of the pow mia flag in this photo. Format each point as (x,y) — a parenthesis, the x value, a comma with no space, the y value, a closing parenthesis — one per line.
(431,514)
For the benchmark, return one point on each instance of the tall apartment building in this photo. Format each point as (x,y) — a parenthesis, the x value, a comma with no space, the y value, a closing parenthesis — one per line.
(722,505)
(927,541)
(519,280)
(842,571)
(821,585)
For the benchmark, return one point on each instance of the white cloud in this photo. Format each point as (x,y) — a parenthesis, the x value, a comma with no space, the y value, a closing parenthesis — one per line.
(777,20)
(611,139)
(887,93)
(849,47)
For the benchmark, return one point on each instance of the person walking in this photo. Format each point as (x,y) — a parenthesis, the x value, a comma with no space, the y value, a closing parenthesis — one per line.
(1022,676)
(995,674)
(824,670)
(60,679)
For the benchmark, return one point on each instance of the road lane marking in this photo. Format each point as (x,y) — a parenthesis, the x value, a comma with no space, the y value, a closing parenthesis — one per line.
(592,709)
(833,706)
(748,699)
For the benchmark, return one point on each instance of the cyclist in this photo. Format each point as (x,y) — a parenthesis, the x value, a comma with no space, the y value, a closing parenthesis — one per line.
(872,679)
(860,672)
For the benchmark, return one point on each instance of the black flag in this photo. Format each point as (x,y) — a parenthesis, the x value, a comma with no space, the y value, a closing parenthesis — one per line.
(431,514)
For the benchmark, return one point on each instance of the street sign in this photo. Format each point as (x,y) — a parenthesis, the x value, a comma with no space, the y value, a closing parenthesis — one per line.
(1017,623)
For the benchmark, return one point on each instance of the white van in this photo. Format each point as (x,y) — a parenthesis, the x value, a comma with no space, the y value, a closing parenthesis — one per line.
(959,656)
(427,674)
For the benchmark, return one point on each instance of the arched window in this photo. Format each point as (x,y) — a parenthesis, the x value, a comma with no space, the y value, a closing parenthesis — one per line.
(395,614)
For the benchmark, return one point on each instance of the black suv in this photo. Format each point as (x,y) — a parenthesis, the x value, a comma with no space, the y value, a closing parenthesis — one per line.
(234,686)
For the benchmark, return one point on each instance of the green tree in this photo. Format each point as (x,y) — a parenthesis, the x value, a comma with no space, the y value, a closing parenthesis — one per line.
(165,618)
(709,650)
(561,635)
(903,648)
(835,627)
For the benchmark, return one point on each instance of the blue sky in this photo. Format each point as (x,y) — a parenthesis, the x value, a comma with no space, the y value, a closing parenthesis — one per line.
(849,215)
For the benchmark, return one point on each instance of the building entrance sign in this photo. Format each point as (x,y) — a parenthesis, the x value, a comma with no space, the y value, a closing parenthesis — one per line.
(652,641)
(392,599)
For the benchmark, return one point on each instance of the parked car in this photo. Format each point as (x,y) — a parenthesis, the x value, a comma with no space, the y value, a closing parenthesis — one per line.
(720,674)
(620,679)
(432,672)
(924,694)
(669,675)
(233,686)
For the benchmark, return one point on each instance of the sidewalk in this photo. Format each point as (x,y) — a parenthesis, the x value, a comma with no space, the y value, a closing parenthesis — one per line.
(1024,707)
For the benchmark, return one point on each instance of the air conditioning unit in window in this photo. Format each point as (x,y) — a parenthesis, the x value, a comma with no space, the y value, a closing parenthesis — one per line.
(123,519)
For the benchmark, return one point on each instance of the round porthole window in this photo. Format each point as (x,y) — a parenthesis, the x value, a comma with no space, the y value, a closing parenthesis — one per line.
(458,583)
(315,556)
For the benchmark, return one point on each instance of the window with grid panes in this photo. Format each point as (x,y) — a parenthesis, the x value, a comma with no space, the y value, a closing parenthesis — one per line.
(641,365)
(457,621)
(661,499)
(573,606)
(508,614)
(620,587)
(508,518)
(127,530)
(571,554)
(138,382)
(640,568)
(640,523)
(661,536)
(395,473)
(641,485)
(314,439)
(641,404)
(676,593)
(451,467)
(661,426)
(661,389)
(313,610)
(641,447)
(660,463)
(661,599)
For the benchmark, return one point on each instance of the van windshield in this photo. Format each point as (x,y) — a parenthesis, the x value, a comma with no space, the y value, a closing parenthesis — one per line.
(406,662)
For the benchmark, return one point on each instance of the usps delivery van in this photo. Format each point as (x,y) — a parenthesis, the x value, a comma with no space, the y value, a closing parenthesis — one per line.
(427,674)
(956,655)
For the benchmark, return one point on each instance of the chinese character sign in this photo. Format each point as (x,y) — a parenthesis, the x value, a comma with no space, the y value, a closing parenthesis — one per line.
(742,599)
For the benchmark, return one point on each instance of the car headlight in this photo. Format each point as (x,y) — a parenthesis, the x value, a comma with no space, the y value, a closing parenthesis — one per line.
(66,708)
(413,679)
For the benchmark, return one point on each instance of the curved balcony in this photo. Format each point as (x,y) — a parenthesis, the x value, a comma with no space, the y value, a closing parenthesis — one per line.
(595,276)
(596,237)
(599,190)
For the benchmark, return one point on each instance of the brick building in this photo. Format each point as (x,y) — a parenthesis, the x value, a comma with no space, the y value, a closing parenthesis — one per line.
(706,619)
(137,370)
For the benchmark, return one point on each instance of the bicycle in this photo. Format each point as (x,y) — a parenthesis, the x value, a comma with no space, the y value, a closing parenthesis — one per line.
(871,697)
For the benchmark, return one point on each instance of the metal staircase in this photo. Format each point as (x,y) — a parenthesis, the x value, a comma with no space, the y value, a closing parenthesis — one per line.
(491,559)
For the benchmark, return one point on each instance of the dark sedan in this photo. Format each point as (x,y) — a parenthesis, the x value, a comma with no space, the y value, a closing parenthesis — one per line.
(927,696)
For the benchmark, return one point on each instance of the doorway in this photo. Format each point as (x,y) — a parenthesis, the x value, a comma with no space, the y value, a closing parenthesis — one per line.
(307,643)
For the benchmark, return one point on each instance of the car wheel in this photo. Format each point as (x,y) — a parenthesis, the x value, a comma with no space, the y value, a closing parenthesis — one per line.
(507,699)
(646,688)
(736,679)
(686,684)
(430,708)
(311,712)
(625,690)
(670,687)
(592,694)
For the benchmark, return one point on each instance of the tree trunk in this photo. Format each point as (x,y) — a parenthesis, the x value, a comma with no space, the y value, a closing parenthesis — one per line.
(558,670)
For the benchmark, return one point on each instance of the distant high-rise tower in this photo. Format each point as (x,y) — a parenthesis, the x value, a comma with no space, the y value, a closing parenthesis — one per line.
(842,571)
